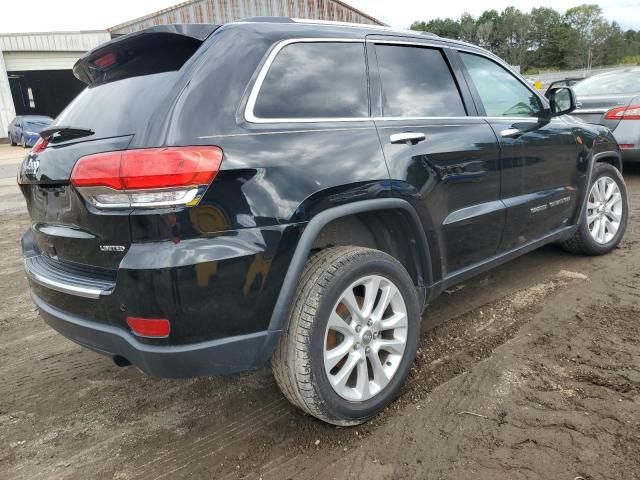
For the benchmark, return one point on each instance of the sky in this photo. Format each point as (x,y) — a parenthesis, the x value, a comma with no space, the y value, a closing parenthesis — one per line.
(61,15)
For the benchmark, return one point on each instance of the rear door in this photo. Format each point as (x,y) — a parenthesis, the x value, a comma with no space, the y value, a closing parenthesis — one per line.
(441,157)
(539,153)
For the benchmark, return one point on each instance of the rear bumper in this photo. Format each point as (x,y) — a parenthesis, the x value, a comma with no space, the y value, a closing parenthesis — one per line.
(218,294)
(222,356)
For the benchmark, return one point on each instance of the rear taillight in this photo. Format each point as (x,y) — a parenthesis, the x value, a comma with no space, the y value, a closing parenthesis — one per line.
(153,177)
(631,112)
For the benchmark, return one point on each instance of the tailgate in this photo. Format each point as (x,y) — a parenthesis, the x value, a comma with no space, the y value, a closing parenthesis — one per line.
(132,82)
(65,227)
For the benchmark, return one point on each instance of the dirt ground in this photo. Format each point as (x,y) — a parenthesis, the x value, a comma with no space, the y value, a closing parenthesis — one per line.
(535,374)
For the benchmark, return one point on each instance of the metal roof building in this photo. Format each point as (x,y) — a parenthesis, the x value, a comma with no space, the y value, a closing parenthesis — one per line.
(225,11)
(35,68)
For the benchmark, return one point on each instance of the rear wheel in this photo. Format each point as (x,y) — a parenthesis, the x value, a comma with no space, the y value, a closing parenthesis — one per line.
(351,336)
(604,219)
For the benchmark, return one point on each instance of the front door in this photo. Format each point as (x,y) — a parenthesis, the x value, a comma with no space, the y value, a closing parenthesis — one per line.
(539,153)
(441,157)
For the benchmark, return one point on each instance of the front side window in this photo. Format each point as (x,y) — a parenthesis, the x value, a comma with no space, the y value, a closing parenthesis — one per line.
(315,80)
(500,92)
(417,82)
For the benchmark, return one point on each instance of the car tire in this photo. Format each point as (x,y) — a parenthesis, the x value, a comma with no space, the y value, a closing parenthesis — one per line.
(604,218)
(23,142)
(11,142)
(325,339)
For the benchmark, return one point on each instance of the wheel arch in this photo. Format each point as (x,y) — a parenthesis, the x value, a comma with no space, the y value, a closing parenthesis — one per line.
(317,234)
(609,156)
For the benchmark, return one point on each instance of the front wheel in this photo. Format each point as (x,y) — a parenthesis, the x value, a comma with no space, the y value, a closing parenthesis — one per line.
(23,142)
(351,336)
(604,220)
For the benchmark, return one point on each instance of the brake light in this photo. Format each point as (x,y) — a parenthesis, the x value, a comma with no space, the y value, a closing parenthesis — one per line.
(40,145)
(150,327)
(631,112)
(148,177)
(105,61)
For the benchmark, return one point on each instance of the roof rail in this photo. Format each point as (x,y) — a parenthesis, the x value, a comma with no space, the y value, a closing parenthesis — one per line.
(427,34)
(267,19)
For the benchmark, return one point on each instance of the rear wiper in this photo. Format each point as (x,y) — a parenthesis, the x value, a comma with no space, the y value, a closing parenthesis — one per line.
(60,132)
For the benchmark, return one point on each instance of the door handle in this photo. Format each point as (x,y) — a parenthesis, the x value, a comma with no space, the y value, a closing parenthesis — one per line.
(407,137)
(511,132)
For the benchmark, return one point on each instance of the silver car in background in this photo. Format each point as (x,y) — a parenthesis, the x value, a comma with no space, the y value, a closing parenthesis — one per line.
(612,99)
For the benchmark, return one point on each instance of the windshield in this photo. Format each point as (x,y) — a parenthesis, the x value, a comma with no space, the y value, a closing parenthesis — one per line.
(38,123)
(615,83)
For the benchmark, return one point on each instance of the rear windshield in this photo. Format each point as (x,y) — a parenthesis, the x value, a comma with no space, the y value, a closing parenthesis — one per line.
(118,108)
(616,83)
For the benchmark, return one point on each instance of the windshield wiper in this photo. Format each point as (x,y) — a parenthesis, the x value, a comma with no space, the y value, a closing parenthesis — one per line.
(60,132)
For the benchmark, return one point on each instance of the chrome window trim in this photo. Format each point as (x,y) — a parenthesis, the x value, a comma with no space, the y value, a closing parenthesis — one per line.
(250,117)
(514,119)
(255,90)
(590,110)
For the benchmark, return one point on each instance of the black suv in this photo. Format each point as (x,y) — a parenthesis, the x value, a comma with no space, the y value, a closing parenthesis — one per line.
(222,196)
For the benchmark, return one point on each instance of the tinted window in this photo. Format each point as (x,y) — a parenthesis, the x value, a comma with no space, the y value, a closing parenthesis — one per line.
(610,84)
(118,108)
(501,93)
(315,80)
(417,82)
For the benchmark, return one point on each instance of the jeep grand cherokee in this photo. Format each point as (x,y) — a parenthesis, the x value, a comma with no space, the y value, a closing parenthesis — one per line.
(270,189)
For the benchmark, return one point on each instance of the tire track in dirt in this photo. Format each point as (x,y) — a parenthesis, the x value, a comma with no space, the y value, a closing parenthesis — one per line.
(442,356)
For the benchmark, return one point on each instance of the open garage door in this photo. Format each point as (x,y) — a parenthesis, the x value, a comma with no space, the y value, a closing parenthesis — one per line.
(42,83)
(43,92)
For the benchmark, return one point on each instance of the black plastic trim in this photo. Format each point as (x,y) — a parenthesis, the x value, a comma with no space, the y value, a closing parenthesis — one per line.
(311,231)
(222,356)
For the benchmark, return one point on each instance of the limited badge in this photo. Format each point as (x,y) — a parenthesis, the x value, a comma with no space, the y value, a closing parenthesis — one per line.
(32,165)
(112,248)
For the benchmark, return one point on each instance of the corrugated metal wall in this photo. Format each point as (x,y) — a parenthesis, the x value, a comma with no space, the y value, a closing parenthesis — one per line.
(224,11)
(52,41)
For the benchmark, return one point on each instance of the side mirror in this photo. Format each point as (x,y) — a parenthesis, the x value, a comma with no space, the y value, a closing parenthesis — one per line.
(562,100)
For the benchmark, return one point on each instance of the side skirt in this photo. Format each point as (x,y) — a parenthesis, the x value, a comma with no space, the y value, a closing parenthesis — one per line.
(464,274)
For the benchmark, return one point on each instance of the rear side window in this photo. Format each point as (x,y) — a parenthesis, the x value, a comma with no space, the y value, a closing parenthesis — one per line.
(501,93)
(315,80)
(417,82)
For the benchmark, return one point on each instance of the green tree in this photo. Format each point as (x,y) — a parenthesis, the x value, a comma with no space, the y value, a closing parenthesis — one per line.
(544,38)
(590,26)
(516,33)
(446,27)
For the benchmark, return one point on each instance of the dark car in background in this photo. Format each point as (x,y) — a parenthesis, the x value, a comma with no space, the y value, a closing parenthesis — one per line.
(612,99)
(25,129)
(275,190)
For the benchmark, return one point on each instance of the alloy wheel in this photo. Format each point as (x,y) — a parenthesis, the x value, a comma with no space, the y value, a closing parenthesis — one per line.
(365,338)
(604,210)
